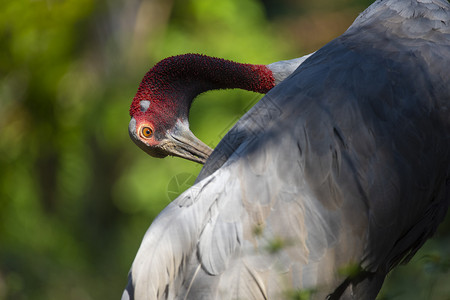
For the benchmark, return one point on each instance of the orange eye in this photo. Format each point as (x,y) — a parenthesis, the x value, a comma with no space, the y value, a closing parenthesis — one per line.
(147,132)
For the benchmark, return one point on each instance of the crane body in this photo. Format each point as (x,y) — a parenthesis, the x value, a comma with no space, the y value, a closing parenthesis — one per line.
(340,173)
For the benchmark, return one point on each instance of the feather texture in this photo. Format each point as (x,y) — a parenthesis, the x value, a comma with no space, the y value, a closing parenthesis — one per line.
(344,165)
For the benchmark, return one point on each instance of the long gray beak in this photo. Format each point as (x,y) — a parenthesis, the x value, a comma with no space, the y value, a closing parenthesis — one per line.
(183,143)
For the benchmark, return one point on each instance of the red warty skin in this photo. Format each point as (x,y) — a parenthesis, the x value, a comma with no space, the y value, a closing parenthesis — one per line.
(174,82)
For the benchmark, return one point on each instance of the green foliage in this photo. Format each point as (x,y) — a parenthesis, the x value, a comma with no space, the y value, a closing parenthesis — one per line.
(76,195)
(351,270)
(276,244)
(304,294)
(426,276)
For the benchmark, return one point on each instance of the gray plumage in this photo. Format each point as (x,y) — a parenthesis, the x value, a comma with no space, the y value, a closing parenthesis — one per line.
(345,163)
(282,69)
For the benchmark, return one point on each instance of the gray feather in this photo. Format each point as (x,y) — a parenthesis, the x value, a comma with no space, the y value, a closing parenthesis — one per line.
(282,69)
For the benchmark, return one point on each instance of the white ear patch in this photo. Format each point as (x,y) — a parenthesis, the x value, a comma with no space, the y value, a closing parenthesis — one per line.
(145,104)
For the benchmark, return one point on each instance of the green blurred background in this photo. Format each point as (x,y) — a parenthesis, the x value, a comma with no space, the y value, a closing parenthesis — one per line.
(76,194)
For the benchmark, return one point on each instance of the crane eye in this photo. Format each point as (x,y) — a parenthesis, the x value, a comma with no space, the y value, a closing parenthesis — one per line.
(147,132)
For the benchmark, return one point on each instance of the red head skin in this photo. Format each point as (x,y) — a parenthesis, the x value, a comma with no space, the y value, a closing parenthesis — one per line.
(173,83)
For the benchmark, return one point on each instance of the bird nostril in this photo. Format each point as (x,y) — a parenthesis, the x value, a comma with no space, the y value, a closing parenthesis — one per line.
(146,132)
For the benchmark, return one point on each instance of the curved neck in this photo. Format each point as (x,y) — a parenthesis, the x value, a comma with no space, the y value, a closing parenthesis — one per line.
(183,77)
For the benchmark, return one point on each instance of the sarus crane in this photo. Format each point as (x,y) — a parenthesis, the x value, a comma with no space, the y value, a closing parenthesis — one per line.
(344,165)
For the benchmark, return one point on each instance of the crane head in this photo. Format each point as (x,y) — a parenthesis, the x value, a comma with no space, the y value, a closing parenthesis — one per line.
(159,114)
(160,141)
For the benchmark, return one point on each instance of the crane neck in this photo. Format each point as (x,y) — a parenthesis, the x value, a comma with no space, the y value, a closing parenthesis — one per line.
(177,80)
